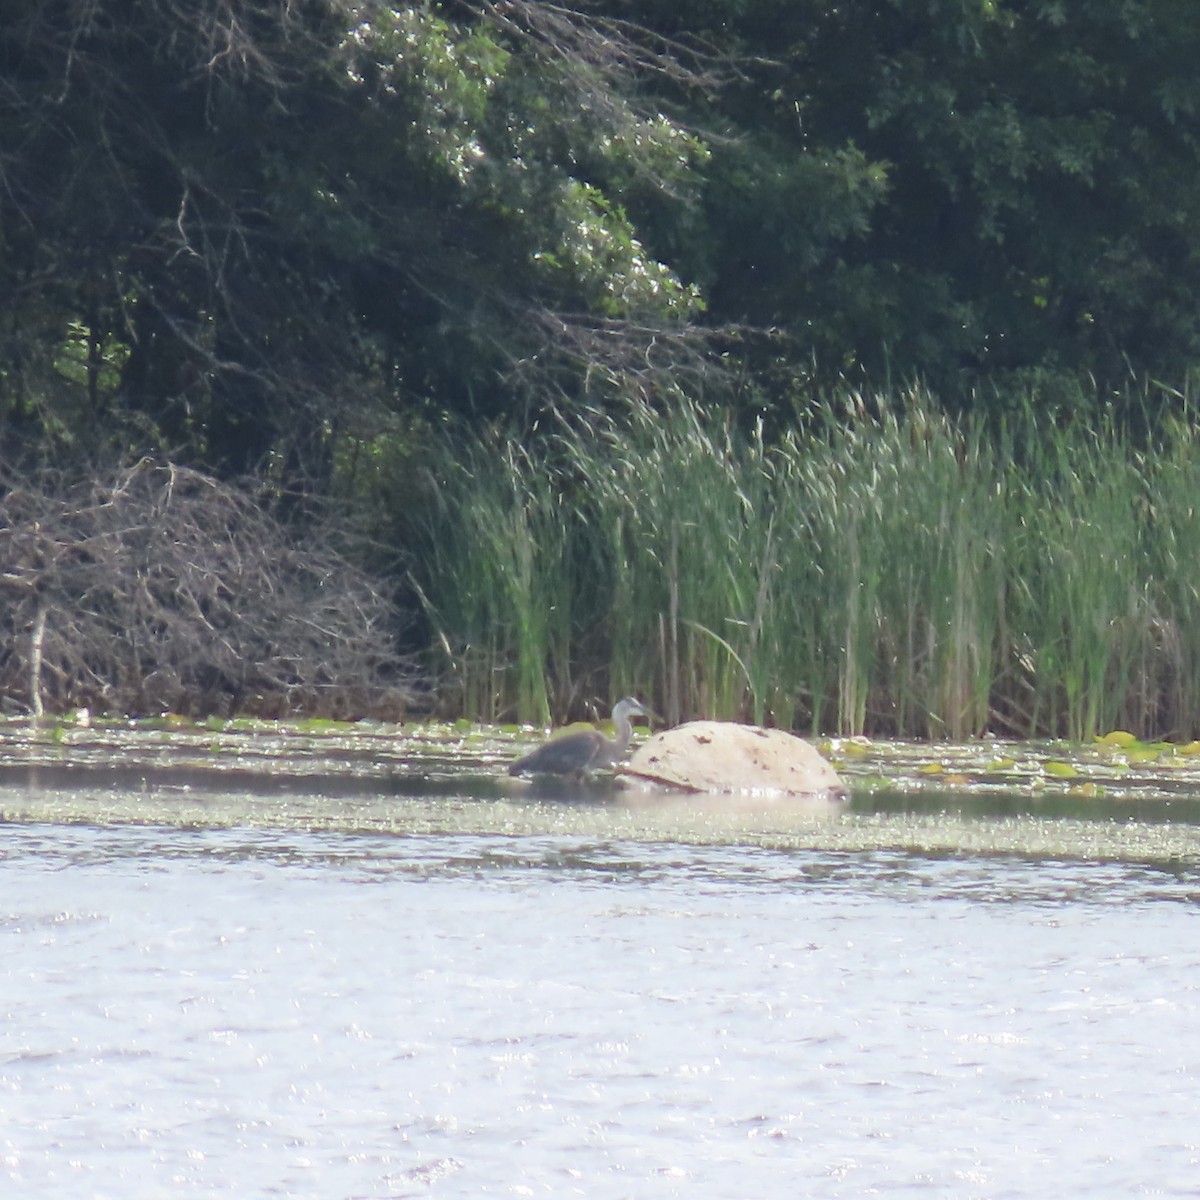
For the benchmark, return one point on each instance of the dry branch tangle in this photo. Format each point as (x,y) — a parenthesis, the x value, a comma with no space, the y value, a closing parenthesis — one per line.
(157,587)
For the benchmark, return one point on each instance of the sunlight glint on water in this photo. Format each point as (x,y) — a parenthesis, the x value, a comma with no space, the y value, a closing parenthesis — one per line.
(328,1015)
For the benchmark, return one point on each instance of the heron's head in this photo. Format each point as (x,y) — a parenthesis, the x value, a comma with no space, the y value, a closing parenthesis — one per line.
(629,707)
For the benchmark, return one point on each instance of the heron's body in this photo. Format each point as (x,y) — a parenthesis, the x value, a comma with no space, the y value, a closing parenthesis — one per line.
(583,749)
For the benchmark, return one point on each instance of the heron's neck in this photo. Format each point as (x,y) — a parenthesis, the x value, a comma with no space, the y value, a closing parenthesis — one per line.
(624,731)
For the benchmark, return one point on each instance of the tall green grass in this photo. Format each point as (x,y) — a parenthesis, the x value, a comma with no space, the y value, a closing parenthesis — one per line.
(490,549)
(681,511)
(1081,587)
(882,568)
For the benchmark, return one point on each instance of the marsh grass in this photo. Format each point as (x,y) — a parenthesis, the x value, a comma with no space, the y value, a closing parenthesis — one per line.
(882,569)
(680,508)
(1081,586)
(1166,695)
(493,578)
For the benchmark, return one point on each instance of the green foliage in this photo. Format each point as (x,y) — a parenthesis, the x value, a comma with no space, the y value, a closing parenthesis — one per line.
(489,546)
(690,566)
(890,570)
(446,77)
(299,237)
(903,513)
(598,247)
(953,191)
(248,231)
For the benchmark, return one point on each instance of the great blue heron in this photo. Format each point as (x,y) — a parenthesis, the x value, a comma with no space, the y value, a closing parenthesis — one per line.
(584,749)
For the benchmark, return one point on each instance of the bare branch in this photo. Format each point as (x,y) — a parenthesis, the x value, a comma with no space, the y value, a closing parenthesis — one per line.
(158,587)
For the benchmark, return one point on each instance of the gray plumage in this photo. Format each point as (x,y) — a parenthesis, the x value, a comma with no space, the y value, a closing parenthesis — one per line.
(583,749)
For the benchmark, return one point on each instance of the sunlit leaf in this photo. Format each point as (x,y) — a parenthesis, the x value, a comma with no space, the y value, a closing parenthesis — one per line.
(1060,770)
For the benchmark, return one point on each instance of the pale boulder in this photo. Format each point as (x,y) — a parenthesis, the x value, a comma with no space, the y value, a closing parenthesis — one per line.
(722,757)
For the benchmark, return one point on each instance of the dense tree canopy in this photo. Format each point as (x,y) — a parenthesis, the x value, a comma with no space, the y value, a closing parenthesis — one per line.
(959,188)
(240,226)
(247,231)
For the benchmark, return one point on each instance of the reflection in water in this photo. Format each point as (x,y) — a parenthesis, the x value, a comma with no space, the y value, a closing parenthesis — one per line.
(333,1014)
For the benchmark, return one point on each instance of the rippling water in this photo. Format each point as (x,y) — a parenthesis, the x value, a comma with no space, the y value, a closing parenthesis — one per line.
(333,1015)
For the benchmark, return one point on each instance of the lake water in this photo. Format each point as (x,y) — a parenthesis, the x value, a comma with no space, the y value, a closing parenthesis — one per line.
(475,1002)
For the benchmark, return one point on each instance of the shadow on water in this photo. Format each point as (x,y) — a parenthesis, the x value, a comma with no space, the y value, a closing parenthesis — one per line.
(953,801)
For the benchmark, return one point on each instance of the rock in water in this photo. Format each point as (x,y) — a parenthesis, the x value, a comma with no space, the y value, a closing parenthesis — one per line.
(719,756)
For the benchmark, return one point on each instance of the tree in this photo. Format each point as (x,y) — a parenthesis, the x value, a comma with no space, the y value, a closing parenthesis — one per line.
(964,190)
(239,229)
(252,232)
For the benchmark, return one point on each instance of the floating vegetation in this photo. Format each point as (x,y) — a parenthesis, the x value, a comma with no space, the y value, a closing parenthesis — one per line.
(1114,765)
(981,797)
(1108,767)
